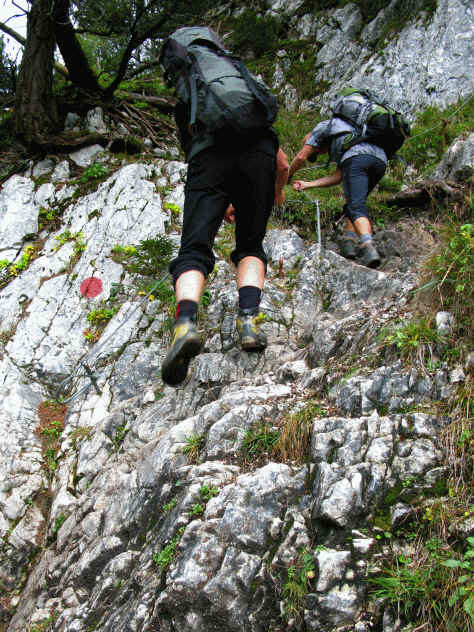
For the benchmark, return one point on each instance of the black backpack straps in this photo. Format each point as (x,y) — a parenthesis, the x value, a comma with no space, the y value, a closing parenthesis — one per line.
(329,141)
(192,95)
(266,99)
(192,86)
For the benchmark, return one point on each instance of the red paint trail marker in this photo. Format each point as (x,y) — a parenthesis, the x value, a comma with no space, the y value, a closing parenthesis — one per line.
(91,287)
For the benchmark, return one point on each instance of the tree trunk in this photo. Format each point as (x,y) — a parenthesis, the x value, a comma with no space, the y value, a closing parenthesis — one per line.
(80,73)
(35,111)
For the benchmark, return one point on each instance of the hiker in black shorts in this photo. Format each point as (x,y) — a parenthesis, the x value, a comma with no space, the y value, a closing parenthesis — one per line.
(238,181)
(359,168)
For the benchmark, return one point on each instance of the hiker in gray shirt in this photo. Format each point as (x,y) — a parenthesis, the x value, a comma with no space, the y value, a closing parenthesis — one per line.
(359,168)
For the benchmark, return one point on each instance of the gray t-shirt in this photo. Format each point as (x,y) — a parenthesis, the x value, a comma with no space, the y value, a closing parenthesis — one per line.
(325,132)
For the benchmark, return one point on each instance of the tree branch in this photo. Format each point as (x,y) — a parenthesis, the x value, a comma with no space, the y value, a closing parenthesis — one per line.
(16,36)
(141,68)
(21,40)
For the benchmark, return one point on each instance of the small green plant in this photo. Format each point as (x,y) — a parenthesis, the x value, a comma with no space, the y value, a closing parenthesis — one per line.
(44,625)
(412,334)
(197,509)
(7,334)
(173,208)
(64,237)
(92,336)
(296,586)
(47,218)
(94,172)
(401,585)
(259,441)
(464,583)
(80,434)
(164,558)
(206,298)
(193,446)
(413,339)
(121,254)
(25,260)
(169,506)
(432,585)
(208,492)
(101,316)
(78,247)
(119,436)
(58,523)
(54,429)
(51,425)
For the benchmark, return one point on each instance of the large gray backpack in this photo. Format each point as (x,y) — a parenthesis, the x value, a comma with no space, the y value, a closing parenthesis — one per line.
(223,96)
(374,119)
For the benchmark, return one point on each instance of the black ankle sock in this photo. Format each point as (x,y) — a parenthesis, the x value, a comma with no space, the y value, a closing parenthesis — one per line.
(186,308)
(249,297)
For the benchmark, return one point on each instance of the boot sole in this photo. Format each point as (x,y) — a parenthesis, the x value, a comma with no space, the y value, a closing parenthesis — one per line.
(250,344)
(175,367)
(373,262)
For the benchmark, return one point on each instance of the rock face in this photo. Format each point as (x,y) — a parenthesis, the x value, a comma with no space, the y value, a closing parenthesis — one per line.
(137,507)
(128,527)
(458,162)
(414,60)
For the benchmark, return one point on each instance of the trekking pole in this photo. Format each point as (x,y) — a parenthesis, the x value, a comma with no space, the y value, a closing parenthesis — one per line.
(318,221)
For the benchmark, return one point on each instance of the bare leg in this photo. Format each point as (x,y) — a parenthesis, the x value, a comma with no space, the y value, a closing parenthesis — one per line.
(250,274)
(362,226)
(250,271)
(190,285)
(349,226)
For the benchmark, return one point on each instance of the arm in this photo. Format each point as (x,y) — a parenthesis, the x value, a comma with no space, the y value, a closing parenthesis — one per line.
(327,181)
(300,158)
(281,176)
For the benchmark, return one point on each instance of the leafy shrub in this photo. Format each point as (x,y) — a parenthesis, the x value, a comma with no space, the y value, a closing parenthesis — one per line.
(255,34)
(94,172)
(147,258)
(452,269)
(434,585)
(464,592)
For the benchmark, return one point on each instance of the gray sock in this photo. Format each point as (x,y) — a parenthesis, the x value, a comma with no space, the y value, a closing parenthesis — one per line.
(365,238)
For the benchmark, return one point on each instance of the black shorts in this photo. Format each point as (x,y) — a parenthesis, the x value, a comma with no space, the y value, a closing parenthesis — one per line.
(243,176)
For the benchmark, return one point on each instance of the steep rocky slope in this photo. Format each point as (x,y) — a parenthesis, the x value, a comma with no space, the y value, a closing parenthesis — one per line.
(130,474)
(127,505)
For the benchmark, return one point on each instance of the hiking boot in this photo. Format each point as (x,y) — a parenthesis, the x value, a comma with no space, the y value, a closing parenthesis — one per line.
(347,248)
(248,326)
(186,344)
(368,255)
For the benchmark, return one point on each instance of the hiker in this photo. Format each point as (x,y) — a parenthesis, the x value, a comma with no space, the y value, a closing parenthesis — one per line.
(359,168)
(235,176)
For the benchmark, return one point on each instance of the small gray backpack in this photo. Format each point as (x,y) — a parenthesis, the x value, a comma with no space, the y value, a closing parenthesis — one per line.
(223,96)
